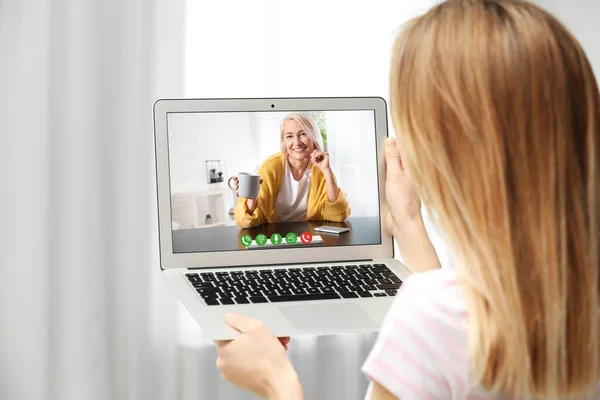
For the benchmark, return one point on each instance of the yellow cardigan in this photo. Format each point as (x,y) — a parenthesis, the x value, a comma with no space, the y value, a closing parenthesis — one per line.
(318,205)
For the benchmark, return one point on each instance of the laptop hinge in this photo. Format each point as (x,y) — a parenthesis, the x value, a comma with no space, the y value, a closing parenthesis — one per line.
(283,265)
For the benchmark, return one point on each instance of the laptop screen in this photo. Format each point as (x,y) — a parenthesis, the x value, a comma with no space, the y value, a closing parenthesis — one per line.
(248,181)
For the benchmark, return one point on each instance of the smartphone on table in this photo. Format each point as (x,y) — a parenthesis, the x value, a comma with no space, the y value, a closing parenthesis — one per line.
(331,229)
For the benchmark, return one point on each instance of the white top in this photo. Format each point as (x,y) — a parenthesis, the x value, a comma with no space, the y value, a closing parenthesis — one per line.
(421,351)
(291,202)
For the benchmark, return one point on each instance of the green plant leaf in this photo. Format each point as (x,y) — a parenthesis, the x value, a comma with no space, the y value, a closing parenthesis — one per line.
(319,118)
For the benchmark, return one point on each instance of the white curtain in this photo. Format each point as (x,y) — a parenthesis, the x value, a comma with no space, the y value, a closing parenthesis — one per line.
(84,313)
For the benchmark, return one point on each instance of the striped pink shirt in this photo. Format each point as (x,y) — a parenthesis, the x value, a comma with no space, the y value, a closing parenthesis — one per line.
(421,351)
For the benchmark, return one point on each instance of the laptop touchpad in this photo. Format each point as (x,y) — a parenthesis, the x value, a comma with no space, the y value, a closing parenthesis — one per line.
(328,317)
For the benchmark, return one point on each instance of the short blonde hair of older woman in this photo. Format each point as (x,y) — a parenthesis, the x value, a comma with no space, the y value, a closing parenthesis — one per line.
(309,127)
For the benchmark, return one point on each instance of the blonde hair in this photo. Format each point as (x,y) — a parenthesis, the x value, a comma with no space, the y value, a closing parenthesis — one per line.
(308,126)
(498,111)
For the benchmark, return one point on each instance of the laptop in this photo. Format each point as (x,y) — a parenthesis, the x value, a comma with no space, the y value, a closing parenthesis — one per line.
(317,275)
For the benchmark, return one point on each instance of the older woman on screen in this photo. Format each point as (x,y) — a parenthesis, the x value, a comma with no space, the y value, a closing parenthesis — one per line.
(297,183)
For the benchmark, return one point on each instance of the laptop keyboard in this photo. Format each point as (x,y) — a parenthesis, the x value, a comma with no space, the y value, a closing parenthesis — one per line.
(295,284)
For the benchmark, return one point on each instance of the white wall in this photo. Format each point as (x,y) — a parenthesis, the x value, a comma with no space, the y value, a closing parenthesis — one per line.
(196,138)
(351,143)
(266,131)
(312,48)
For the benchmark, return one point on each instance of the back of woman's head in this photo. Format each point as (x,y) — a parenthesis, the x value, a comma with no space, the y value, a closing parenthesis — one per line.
(498,115)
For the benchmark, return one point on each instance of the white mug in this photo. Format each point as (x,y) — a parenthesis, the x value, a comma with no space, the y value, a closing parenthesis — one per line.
(248,185)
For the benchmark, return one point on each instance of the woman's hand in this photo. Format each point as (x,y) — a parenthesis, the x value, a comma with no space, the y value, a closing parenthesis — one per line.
(250,203)
(404,220)
(400,189)
(236,184)
(257,361)
(320,159)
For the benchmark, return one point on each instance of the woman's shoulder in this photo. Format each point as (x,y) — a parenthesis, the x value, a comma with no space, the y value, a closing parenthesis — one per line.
(433,281)
(422,347)
(275,162)
(438,294)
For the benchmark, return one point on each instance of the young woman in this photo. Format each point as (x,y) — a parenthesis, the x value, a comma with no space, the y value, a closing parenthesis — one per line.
(497,114)
(297,183)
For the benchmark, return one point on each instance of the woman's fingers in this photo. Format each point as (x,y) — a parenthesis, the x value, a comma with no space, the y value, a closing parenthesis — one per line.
(393,160)
(390,223)
(400,189)
(317,156)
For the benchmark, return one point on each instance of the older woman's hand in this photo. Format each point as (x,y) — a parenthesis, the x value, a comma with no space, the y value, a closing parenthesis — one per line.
(236,184)
(257,361)
(320,159)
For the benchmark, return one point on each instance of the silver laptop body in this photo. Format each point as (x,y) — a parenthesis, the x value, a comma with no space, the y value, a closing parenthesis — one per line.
(321,283)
